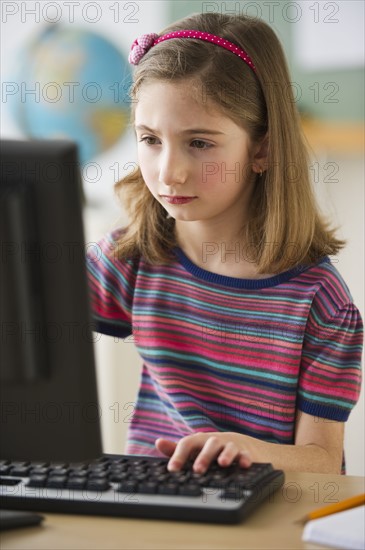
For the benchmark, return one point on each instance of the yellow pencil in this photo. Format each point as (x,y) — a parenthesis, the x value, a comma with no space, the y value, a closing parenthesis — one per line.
(334,508)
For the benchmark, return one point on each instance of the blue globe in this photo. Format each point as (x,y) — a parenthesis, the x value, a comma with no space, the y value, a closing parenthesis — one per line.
(73,85)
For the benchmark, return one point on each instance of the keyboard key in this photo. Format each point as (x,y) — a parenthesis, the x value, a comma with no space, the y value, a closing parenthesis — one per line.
(37,481)
(57,465)
(80,474)
(97,468)
(39,464)
(180,477)
(21,471)
(96,474)
(157,469)
(77,466)
(56,481)
(39,471)
(142,476)
(59,471)
(197,477)
(118,477)
(77,471)
(134,462)
(161,478)
(127,486)
(168,488)
(190,490)
(76,482)
(17,464)
(118,468)
(148,487)
(97,485)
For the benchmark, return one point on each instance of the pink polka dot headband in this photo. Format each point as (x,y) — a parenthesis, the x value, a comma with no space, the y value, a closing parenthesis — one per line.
(143,43)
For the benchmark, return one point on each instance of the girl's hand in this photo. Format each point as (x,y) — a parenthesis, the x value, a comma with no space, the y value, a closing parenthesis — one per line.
(205,448)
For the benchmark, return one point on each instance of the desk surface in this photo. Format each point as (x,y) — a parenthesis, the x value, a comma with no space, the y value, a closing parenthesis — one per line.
(270,526)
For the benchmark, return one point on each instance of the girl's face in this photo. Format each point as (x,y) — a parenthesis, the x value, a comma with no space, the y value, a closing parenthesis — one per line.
(195,161)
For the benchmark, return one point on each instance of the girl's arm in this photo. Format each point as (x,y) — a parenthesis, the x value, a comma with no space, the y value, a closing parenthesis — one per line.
(318,448)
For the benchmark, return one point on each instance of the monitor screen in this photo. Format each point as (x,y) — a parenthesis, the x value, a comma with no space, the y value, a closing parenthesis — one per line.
(49,408)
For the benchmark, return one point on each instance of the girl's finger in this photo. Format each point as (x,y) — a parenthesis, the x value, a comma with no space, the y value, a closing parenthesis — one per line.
(244,459)
(165,446)
(209,452)
(228,454)
(185,449)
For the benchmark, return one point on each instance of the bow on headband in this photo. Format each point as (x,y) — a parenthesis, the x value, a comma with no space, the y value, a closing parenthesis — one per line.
(140,46)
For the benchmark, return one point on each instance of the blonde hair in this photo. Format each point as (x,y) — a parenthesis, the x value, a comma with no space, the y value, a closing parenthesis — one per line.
(285,227)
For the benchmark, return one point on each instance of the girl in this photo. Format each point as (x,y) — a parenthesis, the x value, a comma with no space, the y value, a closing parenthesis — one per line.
(250,341)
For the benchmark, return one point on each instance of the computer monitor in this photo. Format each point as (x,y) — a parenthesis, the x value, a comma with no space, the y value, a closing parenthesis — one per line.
(49,406)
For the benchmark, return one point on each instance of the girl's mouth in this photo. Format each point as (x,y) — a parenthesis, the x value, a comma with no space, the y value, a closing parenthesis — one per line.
(177,199)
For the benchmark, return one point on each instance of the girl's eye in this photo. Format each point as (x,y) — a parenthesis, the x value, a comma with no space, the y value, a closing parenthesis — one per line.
(147,140)
(197,143)
(200,144)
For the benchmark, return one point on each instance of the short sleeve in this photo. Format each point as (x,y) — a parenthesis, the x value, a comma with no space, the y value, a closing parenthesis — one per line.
(330,378)
(111,287)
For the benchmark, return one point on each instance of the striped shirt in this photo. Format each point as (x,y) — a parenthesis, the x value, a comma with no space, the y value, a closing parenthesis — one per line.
(227,354)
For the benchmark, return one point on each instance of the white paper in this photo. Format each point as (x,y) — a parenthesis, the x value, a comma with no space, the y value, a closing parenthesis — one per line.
(345,530)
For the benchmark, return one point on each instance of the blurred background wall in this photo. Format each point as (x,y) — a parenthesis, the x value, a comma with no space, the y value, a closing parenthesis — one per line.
(64,73)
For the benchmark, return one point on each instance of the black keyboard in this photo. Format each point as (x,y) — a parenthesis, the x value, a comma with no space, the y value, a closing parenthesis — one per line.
(137,486)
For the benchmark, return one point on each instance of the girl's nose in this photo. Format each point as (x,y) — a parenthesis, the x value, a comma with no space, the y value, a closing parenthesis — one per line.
(173,168)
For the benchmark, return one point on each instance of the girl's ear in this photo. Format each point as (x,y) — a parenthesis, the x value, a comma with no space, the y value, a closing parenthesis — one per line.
(260,157)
